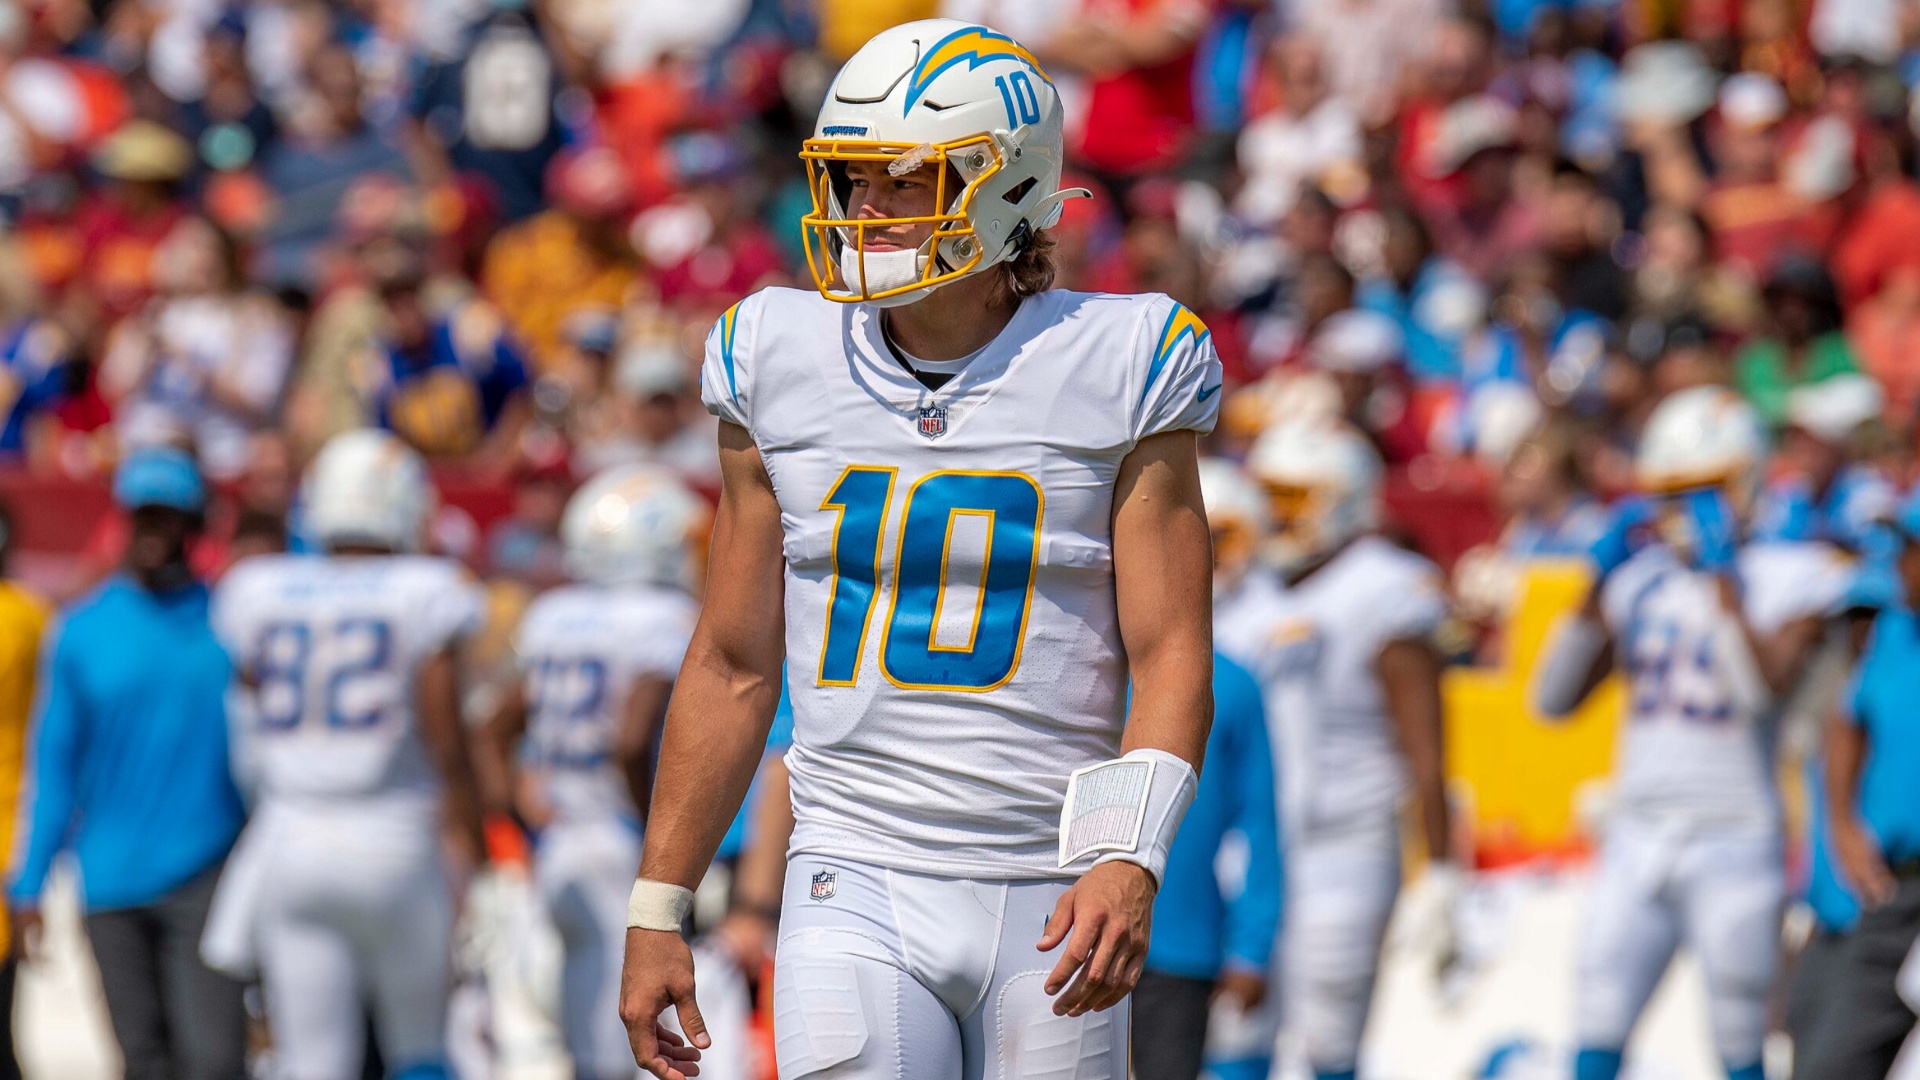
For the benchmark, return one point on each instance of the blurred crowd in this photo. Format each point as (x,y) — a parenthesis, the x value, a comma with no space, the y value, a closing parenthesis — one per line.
(1490,234)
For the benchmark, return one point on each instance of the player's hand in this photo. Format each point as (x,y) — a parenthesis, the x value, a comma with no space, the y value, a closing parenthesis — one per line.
(659,972)
(1247,988)
(1862,864)
(1715,530)
(1109,913)
(1626,533)
(28,933)
(747,937)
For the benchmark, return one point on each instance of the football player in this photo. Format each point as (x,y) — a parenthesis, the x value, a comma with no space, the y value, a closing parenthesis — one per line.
(1341,642)
(599,659)
(348,661)
(1712,634)
(964,508)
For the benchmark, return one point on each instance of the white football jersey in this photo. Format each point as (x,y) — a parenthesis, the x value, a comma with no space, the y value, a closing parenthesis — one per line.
(1313,646)
(952,645)
(581,648)
(1688,750)
(329,646)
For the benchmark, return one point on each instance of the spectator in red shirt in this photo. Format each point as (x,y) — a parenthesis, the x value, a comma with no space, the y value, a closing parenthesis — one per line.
(1138,57)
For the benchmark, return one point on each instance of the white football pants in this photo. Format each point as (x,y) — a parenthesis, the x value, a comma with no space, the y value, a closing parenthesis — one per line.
(583,872)
(1719,892)
(355,917)
(1341,885)
(883,974)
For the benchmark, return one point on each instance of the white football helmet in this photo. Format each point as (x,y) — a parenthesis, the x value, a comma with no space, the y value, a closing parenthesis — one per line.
(1237,514)
(1705,436)
(1322,480)
(367,487)
(937,88)
(633,525)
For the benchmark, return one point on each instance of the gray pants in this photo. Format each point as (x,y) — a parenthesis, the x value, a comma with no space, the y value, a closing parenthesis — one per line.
(1818,975)
(1169,1026)
(1861,1034)
(174,1018)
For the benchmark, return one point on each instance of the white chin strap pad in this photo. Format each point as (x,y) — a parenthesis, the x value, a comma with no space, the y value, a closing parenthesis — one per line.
(1126,810)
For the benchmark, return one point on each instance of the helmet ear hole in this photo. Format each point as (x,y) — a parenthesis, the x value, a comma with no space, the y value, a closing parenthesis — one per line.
(1017,194)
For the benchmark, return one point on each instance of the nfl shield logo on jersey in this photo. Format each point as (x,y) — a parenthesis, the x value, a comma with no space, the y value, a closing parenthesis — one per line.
(822,885)
(933,421)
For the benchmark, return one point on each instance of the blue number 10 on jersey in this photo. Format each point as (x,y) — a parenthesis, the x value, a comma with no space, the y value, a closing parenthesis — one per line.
(911,656)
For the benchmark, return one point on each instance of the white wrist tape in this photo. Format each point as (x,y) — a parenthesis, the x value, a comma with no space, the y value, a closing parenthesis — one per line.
(656,905)
(1126,810)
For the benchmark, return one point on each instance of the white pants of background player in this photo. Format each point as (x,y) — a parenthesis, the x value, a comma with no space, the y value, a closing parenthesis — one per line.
(1341,885)
(356,917)
(1719,891)
(884,974)
(584,871)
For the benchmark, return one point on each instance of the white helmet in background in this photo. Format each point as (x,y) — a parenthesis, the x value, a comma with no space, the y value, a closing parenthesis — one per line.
(1705,436)
(922,91)
(633,525)
(1237,514)
(1322,480)
(366,487)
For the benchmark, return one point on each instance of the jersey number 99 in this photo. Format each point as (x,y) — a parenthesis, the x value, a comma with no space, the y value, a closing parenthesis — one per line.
(912,656)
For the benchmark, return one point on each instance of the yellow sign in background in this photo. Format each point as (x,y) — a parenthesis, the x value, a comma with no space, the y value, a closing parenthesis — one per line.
(1520,774)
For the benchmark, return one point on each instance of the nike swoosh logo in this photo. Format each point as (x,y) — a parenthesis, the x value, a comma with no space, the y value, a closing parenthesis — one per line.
(1208,391)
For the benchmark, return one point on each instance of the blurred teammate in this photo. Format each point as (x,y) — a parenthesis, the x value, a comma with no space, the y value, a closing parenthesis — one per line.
(1712,633)
(599,659)
(977,499)
(1342,646)
(349,663)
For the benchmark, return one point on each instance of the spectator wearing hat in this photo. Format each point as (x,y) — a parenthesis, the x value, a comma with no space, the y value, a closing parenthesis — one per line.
(1873,811)
(1803,343)
(129,771)
(1362,352)
(1822,488)
(1486,226)
(1751,212)
(142,164)
(570,258)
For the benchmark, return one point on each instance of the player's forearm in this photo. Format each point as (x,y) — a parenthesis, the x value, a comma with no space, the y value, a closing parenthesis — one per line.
(1845,748)
(446,737)
(716,732)
(1410,676)
(1163,593)
(1172,702)
(763,865)
(493,751)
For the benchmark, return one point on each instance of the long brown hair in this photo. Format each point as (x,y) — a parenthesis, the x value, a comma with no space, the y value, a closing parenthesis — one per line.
(1032,270)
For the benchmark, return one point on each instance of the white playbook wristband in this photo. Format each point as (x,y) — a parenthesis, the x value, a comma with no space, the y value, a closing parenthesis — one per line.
(656,905)
(1127,810)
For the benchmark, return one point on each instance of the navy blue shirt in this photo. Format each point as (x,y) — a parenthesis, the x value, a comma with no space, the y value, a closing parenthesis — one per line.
(129,762)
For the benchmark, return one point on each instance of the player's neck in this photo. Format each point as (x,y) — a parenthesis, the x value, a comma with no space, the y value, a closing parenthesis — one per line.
(954,320)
